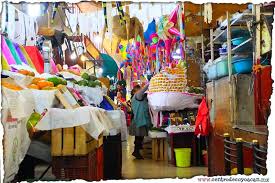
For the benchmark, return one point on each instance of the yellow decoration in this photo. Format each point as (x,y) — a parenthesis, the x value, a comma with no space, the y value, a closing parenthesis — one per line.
(169,80)
(5,65)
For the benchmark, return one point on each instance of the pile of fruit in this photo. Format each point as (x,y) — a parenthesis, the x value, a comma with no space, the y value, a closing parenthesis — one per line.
(10,85)
(89,80)
(26,72)
(169,80)
(47,84)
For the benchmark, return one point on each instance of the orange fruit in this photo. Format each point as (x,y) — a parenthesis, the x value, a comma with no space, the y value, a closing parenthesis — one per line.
(33,86)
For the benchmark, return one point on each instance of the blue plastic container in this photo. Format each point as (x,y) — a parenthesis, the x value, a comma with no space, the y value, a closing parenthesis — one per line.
(238,41)
(222,68)
(212,72)
(243,65)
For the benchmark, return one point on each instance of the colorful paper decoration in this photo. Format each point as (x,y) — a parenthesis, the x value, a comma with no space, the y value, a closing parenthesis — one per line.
(13,52)
(174,15)
(151,29)
(53,66)
(5,65)
(26,56)
(36,58)
(20,54)
(6,52)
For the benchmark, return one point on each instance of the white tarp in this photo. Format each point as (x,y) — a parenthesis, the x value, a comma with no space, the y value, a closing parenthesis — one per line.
(22,103)
(119,121)
(93,120)
(169,101)
(16,141)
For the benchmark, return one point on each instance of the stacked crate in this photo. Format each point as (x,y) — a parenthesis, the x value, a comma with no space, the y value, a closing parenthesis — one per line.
(76,155)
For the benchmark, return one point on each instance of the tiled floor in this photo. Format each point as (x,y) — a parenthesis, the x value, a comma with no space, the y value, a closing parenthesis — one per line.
(146,169)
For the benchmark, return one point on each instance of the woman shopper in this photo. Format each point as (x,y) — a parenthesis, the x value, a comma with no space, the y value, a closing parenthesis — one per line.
(141,120)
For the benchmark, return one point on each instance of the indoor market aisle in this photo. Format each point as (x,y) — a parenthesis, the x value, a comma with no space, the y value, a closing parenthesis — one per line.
(148,168)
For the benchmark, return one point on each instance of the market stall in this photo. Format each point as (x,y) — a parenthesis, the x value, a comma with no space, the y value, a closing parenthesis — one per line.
(69,75)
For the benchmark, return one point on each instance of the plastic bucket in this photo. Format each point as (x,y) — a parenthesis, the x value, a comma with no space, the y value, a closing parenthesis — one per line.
(243,66)
(183,157)
(222,68)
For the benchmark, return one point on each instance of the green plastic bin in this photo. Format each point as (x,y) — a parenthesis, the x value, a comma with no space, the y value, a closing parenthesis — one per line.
(183,157)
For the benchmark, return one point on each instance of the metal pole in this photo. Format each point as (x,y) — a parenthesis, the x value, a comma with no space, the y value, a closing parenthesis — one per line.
(229,63)
(211,44)
(240,166)
(229,46)
(227,167)
(255,144)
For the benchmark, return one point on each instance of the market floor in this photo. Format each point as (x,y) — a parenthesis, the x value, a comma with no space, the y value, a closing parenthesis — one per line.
(148,168)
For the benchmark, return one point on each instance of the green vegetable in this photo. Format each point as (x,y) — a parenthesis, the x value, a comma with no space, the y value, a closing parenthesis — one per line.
(57,81)
(83,82)
(54,80)
(85,76)
(92,84)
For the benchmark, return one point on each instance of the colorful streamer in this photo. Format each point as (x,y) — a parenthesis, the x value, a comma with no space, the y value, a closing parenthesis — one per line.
(13,52)
(104,6)
(6,52)
(27,56)
(4,63)
(20,54)
(36,58)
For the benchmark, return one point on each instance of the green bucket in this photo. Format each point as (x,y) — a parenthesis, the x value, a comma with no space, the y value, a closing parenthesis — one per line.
(183,157)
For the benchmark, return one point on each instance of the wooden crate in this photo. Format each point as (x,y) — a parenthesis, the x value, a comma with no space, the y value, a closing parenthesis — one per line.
(71,141)
(159,149)
(147,150)
(88,167)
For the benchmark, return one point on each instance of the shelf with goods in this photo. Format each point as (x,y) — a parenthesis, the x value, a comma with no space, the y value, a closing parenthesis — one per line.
(236,95)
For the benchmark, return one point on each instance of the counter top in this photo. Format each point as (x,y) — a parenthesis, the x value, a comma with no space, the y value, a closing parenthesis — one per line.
(258,129)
